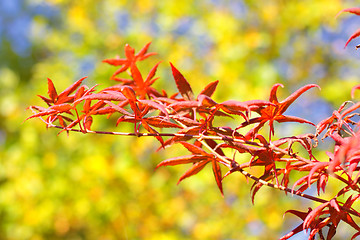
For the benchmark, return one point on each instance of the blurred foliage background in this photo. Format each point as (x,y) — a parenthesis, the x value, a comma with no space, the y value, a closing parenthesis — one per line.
(106,187)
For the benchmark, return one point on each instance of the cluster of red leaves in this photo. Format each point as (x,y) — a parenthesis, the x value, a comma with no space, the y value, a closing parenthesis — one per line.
(191,120)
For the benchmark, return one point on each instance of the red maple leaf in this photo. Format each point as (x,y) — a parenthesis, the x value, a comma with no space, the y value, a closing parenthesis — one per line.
(182,84)
(131,58)
(64,96)
(59,103)
(273,113)
(200,159)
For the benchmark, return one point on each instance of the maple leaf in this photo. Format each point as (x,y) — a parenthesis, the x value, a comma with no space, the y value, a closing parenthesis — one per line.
(329,214)
(338,121)
(131,58)
(209,89)
(317,173)
(59,103)
(188,106)
(143,87)
(300,227)
(273,113)
(63,97)
(182,84)
(311,220)
(52,110)
(347,154)
(200,159)
(264,157)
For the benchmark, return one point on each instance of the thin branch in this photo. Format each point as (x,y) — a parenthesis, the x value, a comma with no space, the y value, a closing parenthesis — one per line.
(224,161)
